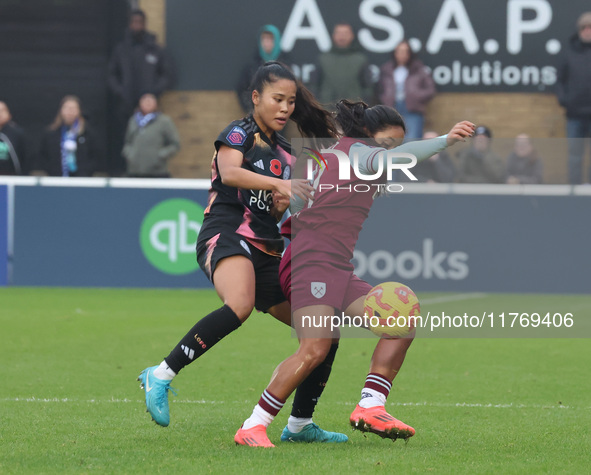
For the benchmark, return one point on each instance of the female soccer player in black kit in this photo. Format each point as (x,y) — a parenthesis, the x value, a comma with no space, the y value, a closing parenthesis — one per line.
(239,245)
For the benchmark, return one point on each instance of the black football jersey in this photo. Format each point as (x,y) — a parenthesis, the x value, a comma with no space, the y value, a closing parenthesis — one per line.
(245,211)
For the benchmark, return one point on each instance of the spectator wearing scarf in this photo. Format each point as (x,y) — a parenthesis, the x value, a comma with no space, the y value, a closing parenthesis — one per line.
(69,148)
(12,144)
(151,141)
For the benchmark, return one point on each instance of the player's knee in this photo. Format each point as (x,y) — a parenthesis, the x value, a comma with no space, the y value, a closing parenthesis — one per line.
(242,307)
(315,354)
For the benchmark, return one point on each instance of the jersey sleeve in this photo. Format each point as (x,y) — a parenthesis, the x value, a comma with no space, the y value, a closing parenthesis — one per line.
(421,149)
(234,136)
(366,156)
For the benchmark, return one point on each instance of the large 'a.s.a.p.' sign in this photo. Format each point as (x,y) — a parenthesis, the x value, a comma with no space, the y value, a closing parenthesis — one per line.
(470,45)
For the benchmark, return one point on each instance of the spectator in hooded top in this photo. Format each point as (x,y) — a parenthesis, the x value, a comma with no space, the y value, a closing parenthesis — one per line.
(268,49)
(574,94)
(406,84)
(69,147)
(151,141)
(138,66)
(523,165)
(343,72)
(478,163)
(12,144)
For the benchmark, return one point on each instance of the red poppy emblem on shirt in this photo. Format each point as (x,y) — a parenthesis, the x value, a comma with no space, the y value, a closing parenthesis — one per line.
(276,167)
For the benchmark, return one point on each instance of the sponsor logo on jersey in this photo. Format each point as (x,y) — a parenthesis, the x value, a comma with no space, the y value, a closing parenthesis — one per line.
(287,172)
(259,164)
(237,136)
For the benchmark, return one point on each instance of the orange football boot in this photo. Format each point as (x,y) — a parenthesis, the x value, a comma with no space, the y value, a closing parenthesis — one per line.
(254,437)
(378,421)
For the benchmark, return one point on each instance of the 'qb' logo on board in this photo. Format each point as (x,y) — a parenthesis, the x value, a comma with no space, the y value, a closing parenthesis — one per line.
(168,235)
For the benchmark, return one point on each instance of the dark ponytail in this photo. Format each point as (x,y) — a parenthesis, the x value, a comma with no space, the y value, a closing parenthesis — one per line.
(357,119)
(311,118)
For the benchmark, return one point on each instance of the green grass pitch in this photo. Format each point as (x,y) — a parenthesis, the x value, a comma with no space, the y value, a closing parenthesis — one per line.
(70,402)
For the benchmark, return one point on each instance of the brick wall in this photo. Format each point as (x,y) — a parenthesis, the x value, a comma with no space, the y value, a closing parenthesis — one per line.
(201,115)
(156,17)
(507,115)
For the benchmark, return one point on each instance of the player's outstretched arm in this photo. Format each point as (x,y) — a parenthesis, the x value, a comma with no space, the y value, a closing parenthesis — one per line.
(460,132)
(423,149)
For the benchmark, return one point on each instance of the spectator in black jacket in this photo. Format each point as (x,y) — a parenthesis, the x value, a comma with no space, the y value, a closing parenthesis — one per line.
(69,147)
(12,144)
(574,94)
(138,66)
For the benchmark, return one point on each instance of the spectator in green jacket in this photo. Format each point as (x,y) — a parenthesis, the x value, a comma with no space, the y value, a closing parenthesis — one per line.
(343,72)
(150,141)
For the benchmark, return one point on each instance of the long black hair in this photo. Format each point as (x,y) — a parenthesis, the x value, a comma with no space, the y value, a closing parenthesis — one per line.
(311,118)
(357,119)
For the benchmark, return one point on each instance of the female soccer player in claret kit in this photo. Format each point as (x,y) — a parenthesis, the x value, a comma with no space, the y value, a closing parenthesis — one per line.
(239,245)
(324,234)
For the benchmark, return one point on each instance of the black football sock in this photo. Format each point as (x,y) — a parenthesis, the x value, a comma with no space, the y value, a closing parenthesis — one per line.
(309,391)
(206,333)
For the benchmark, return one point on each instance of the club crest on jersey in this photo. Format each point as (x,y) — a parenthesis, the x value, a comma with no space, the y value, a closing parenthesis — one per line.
(237,136)
(318,289)
(287,172)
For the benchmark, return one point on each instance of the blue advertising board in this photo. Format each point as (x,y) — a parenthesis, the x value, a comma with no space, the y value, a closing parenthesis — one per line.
(490,243)
(137,237)
(3,235)
(107,237)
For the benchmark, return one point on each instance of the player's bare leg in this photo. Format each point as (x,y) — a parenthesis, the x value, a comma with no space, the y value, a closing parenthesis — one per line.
(314,346)
(234,281)
(300,426)
(370,414)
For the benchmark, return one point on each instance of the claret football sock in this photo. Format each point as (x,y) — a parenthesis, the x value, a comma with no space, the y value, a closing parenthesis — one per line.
(264,412)
(376,391)
(206,333)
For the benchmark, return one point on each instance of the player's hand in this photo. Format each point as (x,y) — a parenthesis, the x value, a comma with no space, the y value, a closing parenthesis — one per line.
(460,132)
(301,188)
(280,202)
